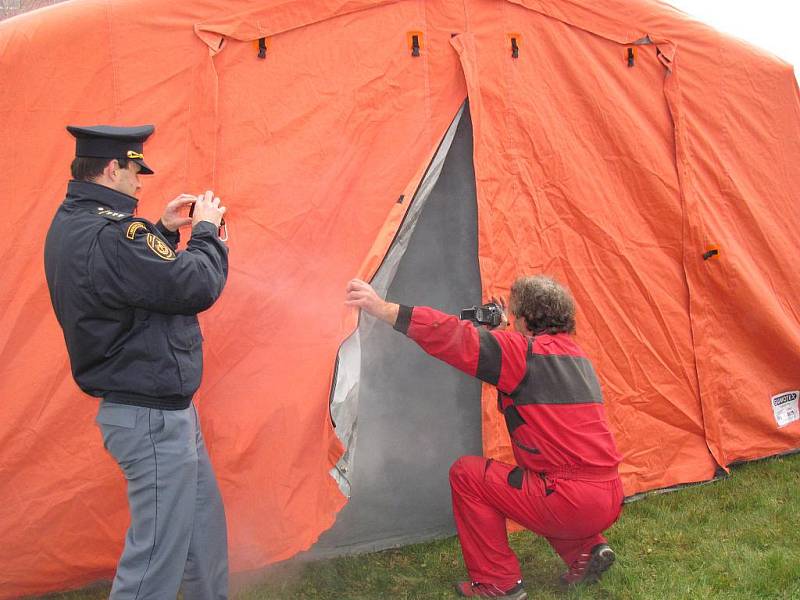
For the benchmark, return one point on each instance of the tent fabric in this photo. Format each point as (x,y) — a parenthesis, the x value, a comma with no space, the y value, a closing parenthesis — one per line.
(611,230)
(614,178)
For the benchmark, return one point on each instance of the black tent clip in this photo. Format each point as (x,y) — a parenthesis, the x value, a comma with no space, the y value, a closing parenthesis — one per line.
(631,56)
(262,47)
(710,254)
(415,45)
(514,48)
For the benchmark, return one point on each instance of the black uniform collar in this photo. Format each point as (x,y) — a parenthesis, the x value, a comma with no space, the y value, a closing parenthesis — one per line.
(100,195)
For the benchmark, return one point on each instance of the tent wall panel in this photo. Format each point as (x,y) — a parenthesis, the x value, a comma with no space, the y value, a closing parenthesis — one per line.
(363,134)
(612,229)
(740,195)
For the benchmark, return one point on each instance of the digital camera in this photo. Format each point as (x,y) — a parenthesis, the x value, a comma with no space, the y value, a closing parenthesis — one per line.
(489,314)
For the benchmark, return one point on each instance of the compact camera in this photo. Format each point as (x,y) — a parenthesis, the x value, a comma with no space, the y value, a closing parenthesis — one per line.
(223,228)
(489,314)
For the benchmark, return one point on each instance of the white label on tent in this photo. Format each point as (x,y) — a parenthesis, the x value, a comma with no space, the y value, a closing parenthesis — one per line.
(784,405)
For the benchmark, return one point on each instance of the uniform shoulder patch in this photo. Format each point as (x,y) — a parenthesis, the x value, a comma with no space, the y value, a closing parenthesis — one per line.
(133,228)
(159,248)
(111,215)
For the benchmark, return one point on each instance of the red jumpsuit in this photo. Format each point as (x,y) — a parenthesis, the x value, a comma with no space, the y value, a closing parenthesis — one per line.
(566,487)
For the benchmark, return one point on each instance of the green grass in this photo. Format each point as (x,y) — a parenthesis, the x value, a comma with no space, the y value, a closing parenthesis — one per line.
(738,538)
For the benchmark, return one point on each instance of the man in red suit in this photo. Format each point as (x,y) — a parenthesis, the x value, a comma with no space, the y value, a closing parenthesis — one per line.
(565,485)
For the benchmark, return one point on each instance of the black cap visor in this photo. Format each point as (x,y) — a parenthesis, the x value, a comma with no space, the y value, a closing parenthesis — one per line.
(145,170)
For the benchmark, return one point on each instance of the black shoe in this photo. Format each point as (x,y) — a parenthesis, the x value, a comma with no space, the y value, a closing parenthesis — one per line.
(590,566)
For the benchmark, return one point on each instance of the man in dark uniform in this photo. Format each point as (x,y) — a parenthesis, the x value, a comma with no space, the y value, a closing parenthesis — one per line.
(565,486)
(127,302)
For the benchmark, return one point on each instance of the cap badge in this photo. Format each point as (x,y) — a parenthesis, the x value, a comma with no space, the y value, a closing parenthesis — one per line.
(133,154)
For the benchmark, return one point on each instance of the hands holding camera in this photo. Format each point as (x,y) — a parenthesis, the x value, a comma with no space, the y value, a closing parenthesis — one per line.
(207,207)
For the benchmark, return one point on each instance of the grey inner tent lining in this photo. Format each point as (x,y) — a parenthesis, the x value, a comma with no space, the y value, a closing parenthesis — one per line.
(414,414)
(344,401)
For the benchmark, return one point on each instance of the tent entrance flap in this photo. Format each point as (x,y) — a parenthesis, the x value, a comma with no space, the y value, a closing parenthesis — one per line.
(410,416)
(344,396)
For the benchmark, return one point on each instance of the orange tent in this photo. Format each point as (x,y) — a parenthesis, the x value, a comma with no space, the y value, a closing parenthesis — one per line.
(617,145)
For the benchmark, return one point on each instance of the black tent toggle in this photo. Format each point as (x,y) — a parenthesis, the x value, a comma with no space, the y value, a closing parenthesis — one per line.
(262,47)
(710,254)
(630,57)
(414,45)
(514,48)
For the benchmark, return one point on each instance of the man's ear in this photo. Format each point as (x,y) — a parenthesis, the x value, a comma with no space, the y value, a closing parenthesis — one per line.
(112,169)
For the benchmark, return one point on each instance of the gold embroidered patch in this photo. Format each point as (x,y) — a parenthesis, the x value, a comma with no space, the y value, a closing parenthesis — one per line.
(133,228)
(159,247)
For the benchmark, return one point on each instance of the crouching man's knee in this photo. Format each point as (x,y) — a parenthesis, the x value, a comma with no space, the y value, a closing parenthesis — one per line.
(468,469)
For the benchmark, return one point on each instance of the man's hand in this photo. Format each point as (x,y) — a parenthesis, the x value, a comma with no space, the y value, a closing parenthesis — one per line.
(361,295)
(503,313)
(172,218)
(207,208)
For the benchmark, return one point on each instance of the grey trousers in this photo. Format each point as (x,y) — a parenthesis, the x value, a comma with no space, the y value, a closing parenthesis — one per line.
(177,531)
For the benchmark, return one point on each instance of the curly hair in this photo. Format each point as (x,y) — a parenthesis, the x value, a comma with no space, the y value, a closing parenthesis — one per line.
(545,304)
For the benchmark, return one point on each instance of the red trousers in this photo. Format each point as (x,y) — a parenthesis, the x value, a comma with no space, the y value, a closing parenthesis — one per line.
(571,517)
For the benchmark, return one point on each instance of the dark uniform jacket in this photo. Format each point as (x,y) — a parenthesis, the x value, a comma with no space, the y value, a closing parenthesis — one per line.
(548,391)
(127,302)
